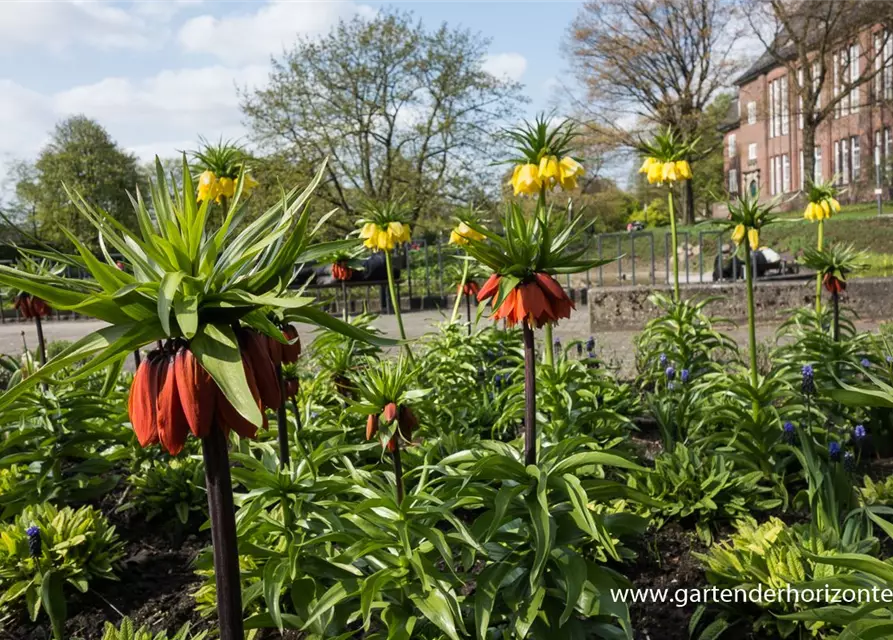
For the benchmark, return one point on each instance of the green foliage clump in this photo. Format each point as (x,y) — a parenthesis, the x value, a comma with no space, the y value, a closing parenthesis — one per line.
(127,631)
(703,486)
(655,214)
(876,493)
(773,555)
(176,485)
(77,547)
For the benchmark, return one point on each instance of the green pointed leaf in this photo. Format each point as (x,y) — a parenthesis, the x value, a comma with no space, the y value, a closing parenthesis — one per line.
(53,599)
(186,311)
(166,293)
(217,350)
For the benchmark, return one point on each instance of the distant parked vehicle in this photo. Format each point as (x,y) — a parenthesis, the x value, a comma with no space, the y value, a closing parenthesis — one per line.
(636,225)
(767,262)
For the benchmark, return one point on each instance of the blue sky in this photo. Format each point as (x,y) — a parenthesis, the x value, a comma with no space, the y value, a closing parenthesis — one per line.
(158,74)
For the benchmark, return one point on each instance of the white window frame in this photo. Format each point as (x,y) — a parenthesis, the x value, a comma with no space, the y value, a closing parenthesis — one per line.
(733,180)
(752,151)
(785,173)
(817,169)
(835,61)
(751,112)
(802,183)
(733,145)
(785,107)
(800,85)
(845,161)
(878,146)
(855,157)
(888,66)
(836,161)
(772,190)
(855,71)
(772,109)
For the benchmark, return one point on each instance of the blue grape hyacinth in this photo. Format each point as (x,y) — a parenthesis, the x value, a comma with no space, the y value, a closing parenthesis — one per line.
(789,433)
(34,541)
(834,451)
(590,344)
(670,373)
(859,433)
(807,384)
(684,375)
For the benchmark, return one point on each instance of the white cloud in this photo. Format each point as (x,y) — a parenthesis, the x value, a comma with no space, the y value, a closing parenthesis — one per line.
(162,114)
(58,25)
(506,65)
(254,37)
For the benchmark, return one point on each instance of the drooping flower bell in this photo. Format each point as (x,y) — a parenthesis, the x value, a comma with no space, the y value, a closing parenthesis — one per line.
(463,233)
(225,168)
(384,237)
(543,161)
(341,272)
(822,201)
(406,423)
(172,394)
(470,288)
(30,306)
(665,158)
(535,302)
(833,284)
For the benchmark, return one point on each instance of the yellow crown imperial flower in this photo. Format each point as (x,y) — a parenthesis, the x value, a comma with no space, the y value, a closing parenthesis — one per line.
(647,164)
(753,236)
(248,184)
(810,213)
(738,234)
(398,232)
(226,188)
(525,179)
(668,172)
(835,205)
(548,171)
(655,171)
(683,169)
(207,186)
(463,233)
(568,172)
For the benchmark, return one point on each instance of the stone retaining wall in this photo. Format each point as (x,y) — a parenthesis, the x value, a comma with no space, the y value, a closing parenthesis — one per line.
(627,308)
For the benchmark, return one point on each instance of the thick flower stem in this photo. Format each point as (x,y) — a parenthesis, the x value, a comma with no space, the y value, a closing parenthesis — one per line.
(835,315)
(398,469)
(530,394)
(455,315)
(818,277)
(395,303)
(282,419)
(223,534)
(41,343)
(751,324)
(674,242)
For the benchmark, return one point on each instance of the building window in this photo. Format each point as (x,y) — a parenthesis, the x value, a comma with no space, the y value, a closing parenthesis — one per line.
(772,132)
(802,172)
(752,152)
(837,161)
(801,89)
(855,72)
(772,174)
(816,87)
(733,180)
(878,145)
(785,107)
(733,147)
(888,143)
(835,63)
(844,161)
(888,66)
(751,113)
(785,173)
(817,171)
(855,157)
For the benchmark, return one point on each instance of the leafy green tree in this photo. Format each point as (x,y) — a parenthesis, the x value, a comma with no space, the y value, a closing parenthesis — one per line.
(400,111)
(83,156)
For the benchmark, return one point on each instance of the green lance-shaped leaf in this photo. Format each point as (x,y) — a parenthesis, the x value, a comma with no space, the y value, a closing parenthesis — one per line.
(217,350)
(53,598)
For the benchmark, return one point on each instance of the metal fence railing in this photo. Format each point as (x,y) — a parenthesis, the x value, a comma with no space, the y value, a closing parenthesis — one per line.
(429,270)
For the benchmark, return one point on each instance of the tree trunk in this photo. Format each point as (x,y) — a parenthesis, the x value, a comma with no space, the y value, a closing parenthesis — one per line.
(689,215)
(808,151)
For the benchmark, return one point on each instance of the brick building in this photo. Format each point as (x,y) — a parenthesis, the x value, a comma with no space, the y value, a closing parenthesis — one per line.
(763,137)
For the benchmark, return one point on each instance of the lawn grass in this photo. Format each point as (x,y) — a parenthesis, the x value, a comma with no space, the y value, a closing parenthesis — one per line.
(857,224)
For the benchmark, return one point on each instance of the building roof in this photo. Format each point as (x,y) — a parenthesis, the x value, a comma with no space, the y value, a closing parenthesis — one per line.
(764,63)
(732,117)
